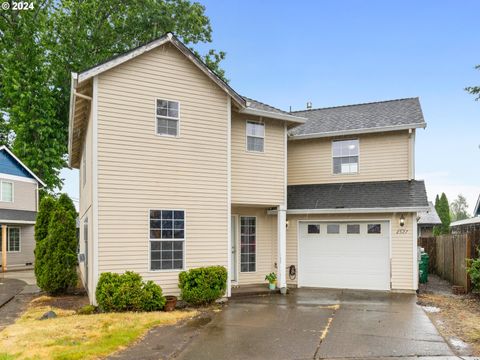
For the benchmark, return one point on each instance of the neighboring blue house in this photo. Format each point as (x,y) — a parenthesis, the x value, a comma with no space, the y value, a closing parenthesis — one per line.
(18,211)
(476,211)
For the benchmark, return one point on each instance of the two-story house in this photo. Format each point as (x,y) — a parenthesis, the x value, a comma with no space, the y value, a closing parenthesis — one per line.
(177,171)
(18,210)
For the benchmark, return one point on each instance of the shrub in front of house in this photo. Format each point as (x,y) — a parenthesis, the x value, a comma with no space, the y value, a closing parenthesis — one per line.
(473,269)
(128,292)
(202,285)
(56,271)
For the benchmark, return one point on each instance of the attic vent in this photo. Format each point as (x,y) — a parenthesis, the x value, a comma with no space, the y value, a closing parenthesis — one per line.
(309,105)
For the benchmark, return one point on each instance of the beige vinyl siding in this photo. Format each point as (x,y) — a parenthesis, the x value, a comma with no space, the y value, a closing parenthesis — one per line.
(139,170)
(382,157)
(18,260)
(258,178)
(24,196)
(266,255)
(402,245)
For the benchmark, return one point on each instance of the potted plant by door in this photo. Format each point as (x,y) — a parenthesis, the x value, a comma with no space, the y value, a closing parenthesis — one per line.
(271,278)
(170,303)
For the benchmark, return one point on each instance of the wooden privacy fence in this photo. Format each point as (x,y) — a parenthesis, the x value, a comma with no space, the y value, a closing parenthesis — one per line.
(449,254)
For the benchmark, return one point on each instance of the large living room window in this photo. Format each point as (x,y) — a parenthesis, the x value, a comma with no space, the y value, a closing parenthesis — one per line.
(345,156)
(255,136)
(13,239)
(168,117)
(248,243)
(167,239)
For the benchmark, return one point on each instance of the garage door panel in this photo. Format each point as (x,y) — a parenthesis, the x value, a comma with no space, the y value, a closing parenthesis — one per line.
(344,260)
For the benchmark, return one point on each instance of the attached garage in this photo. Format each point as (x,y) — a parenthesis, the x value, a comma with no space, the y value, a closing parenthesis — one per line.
(350,255)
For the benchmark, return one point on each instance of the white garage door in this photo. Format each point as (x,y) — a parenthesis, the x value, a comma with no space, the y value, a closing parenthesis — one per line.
(353,255)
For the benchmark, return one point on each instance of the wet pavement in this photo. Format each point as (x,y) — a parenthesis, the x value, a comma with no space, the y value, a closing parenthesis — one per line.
(306,324)
(9,288)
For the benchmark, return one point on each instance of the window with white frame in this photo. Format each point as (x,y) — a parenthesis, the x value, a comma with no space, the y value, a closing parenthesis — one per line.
(167,239)
(333,229)
(255,136)
(345,156)
(168,117)
(248,244)
(6,192)
(13,239)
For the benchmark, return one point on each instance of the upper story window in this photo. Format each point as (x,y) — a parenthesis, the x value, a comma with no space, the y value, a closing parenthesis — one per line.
(6,191)
(345,156)
(168,117)
(255,136)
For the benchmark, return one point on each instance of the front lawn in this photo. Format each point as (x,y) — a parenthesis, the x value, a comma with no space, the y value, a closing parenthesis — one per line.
(72,336)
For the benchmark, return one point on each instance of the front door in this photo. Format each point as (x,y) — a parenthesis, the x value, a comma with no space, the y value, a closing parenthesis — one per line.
(233,267)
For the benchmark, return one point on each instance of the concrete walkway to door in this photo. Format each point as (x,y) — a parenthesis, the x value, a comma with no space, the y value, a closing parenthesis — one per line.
(318,324)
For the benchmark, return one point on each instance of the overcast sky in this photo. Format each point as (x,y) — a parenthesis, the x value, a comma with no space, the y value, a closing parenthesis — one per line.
(286,53)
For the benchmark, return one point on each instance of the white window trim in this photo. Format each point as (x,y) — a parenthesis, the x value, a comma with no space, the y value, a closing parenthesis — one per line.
(168,118)
(334,157)
(1,191)
(240,244)
(19,239)
(149,269)
(255,136)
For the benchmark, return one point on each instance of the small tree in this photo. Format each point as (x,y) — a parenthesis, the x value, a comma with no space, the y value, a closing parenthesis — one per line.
(59,262)
(443,211)
(47,205)
(459,208)
(67,203)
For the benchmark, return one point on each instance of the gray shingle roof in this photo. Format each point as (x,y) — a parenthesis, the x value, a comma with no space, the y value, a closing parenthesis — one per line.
(360,117)
(429,217)
(255,104)
(17,215)
(378,194)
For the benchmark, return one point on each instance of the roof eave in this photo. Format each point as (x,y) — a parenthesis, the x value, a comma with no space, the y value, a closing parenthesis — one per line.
(273,115)
(354,210)
(359,131)
(3,147)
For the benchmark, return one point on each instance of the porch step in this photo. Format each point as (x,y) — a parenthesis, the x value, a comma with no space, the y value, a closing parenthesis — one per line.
(252,290)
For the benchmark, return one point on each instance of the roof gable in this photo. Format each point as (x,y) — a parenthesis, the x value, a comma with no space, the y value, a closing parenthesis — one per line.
(380,116)
(11,165)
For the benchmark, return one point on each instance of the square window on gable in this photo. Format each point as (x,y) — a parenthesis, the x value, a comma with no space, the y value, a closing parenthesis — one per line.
(167,117)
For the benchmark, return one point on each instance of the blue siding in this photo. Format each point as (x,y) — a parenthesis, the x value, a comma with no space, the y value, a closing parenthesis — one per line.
(8,165)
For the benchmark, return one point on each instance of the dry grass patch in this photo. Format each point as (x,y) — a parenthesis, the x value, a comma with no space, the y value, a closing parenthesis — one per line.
(459,317)
(72,336)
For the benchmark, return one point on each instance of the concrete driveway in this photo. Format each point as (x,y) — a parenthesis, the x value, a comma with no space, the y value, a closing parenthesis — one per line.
(305,324)
(317,324)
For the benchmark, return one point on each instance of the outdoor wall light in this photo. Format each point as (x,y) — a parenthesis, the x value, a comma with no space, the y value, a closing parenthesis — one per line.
(402,220)
(287,223)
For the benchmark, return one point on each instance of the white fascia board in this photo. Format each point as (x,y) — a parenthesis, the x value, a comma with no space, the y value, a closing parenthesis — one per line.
(90,73)
(17,222)
(273,115)
(353,210)
(3,147)
(73,82)
(358,131)
(477,207)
